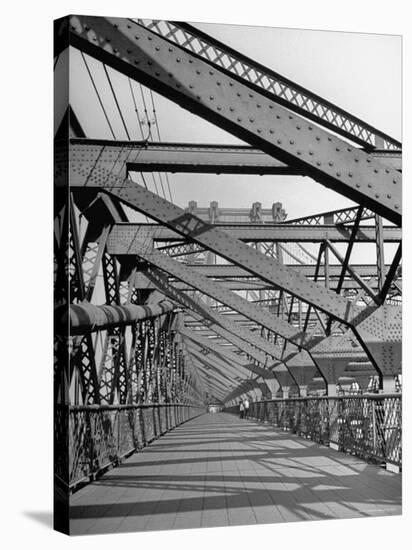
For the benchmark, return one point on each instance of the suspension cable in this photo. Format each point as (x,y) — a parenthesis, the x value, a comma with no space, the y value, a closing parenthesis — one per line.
(115,99)
(98,95)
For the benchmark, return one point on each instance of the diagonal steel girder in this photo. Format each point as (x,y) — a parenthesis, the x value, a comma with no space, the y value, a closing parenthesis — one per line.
(208,368)
(213,94)
(224,353)
(87,169)
(214,290)
(211,360)
(249,342)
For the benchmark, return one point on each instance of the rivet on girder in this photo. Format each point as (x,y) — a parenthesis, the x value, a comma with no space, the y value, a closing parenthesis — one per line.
(377,195)
(298,127)
(376,170)
(219,108)
(239,94)
(218,83)
(211,73)
(251,119)
(279,141)
(330,163)
(271,131)
(149,38)
(291,142)
(251,95)
(329,138)
(318,163)
(338,174)
(394,181)
(137,37)
(108,40)
(136,61)
(369,185)
(211,97)
(231,109)
(239,119)
(298,152)
(397,206)
(389,196)
(129,50)
(310,153)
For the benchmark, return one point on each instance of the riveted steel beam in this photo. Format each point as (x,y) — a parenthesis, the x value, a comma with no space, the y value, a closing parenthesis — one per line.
(214,290)
(251,116)
(142,282)
(272,84)
(234,271)
(249,342)
(212,159)
(86,169)
(122,236)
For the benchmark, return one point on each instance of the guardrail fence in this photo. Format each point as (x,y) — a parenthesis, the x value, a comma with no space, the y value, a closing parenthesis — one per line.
(367,426)
(94,437)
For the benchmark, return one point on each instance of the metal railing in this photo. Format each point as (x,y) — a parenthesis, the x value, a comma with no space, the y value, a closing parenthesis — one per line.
(88,439)
(367,426)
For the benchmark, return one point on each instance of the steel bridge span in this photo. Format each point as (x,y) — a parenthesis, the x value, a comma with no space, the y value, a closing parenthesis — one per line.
(166,313)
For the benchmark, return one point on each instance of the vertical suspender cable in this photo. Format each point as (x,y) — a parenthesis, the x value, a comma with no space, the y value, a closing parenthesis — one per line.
(98,95)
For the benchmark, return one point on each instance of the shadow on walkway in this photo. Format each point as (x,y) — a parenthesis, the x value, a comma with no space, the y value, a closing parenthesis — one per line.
(220,470)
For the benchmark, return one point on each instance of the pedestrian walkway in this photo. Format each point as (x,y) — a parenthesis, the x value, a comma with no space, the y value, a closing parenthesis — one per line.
(218,470)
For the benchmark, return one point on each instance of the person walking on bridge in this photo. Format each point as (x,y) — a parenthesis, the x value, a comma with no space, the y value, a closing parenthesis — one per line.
(246,407)
(241,409)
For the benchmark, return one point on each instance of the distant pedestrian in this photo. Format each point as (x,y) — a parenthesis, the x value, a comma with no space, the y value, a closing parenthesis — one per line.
(246,407)
(241,409)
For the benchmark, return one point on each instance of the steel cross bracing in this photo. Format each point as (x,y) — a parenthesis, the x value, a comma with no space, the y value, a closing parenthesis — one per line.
(250,115)
(249,342)
(212,289)
(285,91)
(86,170)
(89,170)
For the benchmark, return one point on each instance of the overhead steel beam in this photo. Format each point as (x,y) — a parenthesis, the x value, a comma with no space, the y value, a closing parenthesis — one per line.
(233,271)
(224,296)
(142,282)
(223,351)
(123,235)
(223,100)
(274,85)
(250,343)
(213,159)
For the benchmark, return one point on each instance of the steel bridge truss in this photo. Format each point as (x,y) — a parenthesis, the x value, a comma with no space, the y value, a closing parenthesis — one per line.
(230,302)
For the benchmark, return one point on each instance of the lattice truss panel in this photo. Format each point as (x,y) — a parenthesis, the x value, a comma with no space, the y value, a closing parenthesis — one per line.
(248,308)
